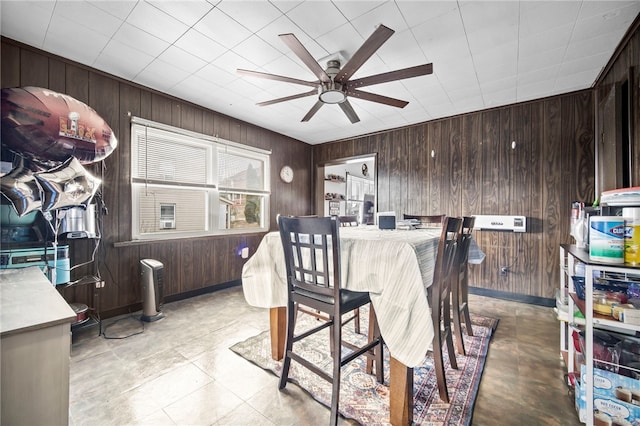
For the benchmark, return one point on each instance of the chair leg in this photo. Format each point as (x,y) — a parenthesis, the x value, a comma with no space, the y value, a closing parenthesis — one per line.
(337,367)
(457,326)
(438,364)
(448,335)
(377,358)
(378,351)
(356,320)
(464,293)
(286,363)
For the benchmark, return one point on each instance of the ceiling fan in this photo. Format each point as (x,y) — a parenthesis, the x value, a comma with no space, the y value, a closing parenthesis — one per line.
(334,85)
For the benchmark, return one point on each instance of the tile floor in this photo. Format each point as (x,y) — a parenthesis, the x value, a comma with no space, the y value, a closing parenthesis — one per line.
(179,371)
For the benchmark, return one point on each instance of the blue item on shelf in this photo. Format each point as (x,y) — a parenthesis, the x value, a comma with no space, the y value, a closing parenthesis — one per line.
(633,291)
(41,257)
(598,284)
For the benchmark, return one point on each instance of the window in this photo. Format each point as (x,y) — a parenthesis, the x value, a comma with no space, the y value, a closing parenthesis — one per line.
(188,184)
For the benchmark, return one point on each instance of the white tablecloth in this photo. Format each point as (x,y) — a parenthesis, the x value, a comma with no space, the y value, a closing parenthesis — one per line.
(394,266)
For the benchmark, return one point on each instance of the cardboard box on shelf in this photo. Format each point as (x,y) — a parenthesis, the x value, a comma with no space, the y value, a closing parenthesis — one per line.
(631,316)
(581,402)
(614,396)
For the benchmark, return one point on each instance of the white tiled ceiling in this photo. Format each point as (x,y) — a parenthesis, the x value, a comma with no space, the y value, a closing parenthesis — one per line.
(484,53)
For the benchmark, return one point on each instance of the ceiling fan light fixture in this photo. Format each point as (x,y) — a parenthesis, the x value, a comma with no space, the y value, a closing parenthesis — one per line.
(334,84)
(333,96)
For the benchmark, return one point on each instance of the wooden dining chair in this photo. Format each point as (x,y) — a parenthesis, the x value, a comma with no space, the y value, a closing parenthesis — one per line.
(439,297)
(427,221)
(460,285)
(312,257)
(355,317)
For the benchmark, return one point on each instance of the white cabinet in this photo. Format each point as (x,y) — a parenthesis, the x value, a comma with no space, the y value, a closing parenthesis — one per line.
(569,255)
(35,345)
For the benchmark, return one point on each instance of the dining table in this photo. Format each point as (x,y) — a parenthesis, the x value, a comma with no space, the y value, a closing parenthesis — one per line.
(395,266)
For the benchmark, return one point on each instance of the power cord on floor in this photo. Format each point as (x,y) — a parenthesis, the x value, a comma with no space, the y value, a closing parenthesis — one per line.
(104,330)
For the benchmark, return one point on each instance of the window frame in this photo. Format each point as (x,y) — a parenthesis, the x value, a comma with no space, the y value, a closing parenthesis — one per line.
(211,189)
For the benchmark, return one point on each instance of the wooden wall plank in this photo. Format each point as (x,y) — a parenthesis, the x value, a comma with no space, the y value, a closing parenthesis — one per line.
(536,236)
(10,65)
(433,203)
(471,164)
(161,109)
(34,69)
(520,274)
(553,196)
(77,83)
(188,261)
(57,75)
(453,177)
(384,173)
(398,172)
(415,179)
(421,157)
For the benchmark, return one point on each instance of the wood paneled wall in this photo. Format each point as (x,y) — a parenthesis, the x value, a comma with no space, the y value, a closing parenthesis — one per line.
(190,265)
(625,64)
(475,171)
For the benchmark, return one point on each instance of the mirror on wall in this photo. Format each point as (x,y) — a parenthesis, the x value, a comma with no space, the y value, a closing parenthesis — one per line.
(347,187)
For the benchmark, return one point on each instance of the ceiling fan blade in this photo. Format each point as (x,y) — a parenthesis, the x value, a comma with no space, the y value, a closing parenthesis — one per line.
(277,77)
(312,111)
(301,52)
(349,111)
(288,98)
(373,97)
(368,48)
(392,76)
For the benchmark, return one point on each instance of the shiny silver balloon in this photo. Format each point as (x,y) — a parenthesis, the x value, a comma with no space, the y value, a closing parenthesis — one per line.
(67,185)
(21,188)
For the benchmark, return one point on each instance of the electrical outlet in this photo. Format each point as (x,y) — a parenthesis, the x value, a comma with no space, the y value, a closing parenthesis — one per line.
(504,270)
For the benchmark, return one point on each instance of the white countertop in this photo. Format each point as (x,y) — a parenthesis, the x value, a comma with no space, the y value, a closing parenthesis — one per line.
(28,301)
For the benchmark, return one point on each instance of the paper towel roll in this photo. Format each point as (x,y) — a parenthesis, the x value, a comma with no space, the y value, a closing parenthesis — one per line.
(631,213)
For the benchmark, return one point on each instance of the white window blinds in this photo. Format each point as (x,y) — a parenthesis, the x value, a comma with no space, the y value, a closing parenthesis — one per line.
(213,186)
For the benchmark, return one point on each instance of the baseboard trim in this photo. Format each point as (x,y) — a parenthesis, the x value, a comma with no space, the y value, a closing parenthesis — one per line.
(172,298)
(201,291)
(514,297)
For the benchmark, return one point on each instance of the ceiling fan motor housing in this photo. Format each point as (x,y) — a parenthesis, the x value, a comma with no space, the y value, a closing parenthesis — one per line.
(331,92)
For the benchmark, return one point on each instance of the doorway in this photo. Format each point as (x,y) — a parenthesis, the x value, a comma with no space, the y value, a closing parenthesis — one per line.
(347,187)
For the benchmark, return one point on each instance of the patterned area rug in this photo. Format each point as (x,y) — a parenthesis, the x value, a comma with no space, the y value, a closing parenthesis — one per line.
(365,400)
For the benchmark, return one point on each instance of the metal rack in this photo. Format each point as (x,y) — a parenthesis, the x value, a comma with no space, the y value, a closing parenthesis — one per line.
(97,283)
(568,256)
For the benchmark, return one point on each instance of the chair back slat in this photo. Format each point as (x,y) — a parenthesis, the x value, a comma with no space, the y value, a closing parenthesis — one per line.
(446,257)
(312,255)
(465,240)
